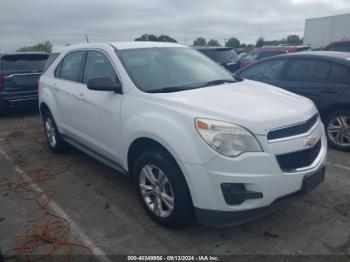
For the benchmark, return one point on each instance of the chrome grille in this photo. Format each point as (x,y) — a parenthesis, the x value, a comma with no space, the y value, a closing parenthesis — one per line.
(292,161)
(293,130)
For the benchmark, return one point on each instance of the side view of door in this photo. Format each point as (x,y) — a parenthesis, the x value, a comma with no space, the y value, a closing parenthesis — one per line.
(314,79)
(102,106)
(68,93)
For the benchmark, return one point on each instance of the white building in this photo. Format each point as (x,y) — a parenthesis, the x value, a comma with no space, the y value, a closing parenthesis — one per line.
(321,31)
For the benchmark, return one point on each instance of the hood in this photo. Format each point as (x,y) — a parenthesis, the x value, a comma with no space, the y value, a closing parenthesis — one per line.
(256,106)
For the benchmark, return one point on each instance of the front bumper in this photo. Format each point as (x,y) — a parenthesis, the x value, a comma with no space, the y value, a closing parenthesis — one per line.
(259,172)
(215,218)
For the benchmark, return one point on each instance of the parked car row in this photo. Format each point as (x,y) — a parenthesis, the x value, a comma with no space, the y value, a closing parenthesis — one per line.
(228,58)
(198,142)
(268,51)
(19,72)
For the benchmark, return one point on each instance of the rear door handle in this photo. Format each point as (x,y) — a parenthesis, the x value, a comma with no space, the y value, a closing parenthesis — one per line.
(328,91)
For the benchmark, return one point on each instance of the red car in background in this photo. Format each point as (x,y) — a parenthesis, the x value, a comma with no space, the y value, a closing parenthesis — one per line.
(267,51)
(340,46)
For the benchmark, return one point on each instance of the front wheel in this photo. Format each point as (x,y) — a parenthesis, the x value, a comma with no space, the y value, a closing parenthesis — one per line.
(337,126)
(162,189)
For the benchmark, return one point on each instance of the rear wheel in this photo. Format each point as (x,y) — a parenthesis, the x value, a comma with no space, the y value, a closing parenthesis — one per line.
(53,137)
(338,129)
(162,189)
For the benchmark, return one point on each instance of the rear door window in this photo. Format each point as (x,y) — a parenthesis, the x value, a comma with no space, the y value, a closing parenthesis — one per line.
(339,71)
(50,60)
(70,69)
(264,71)
(23,63)
(308,70)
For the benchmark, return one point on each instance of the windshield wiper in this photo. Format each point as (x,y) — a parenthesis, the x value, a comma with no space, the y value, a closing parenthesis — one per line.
(169,89)
(218,82)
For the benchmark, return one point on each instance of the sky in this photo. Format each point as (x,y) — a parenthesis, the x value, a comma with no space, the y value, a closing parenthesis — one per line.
(27,22)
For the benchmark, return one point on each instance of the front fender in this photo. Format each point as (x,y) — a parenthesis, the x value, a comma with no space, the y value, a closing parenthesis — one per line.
(177,135)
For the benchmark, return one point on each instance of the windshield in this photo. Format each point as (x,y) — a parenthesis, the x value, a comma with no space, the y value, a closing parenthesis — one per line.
(171,69)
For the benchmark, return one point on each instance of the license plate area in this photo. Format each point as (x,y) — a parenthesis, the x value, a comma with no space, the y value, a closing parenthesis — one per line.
(310,182)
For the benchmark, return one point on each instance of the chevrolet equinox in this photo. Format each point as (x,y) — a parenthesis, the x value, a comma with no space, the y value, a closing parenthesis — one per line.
(200,144)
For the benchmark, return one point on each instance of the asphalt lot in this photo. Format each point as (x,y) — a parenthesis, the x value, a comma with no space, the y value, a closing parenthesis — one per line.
(105,212)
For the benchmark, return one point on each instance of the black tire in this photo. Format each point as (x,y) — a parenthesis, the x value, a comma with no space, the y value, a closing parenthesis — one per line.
(331,136)
(59,145)
(182,212)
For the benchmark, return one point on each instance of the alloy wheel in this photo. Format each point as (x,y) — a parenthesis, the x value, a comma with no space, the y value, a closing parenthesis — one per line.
(156,190)
(339,130)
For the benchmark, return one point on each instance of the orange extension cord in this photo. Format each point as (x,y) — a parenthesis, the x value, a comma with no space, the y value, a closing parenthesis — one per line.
(46,230)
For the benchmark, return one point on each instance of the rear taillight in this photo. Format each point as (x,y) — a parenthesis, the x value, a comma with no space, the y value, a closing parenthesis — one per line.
(2,80)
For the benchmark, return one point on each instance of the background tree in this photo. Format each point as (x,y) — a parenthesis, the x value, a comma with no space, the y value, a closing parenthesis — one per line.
(147,37)
(294,40)
(41,47)
(200,41)
(166,38)
(260,42)
(213,42)
(245,48)
(150,37)
(233,42)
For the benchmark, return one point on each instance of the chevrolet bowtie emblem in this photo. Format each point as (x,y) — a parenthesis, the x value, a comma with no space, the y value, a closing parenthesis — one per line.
(310,141)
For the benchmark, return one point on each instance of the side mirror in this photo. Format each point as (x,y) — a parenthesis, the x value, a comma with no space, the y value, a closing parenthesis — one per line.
(104,84)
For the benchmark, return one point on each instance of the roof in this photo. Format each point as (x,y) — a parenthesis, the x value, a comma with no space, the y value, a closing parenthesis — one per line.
(212,47)
(327,54)
(117,45)
(143,44)
(275,48)
(345,41)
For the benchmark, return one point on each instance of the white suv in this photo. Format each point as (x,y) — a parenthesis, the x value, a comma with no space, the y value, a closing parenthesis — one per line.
(197,141)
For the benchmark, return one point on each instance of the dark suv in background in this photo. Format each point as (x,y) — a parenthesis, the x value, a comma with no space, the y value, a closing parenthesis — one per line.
(322,76)
(19,76)
(224,56)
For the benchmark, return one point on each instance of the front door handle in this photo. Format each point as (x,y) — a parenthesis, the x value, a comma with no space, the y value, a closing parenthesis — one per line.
(81,97)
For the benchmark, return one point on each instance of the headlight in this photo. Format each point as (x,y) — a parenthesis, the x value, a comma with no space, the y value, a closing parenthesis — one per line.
(228,139)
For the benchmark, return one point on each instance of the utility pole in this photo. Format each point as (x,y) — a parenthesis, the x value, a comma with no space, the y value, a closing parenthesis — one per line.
(86,38)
